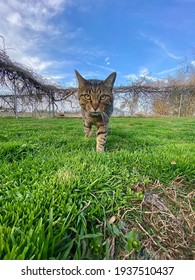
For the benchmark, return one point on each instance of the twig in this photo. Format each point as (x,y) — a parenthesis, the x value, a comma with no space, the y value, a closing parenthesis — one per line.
(140,226)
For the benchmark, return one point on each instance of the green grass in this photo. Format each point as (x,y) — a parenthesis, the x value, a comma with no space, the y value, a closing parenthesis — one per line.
(57,194)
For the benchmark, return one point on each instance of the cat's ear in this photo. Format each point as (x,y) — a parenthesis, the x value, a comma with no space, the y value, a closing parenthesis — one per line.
(81,80)
(109,82)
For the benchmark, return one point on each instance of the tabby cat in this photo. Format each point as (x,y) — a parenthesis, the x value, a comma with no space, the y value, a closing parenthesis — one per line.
(96,101)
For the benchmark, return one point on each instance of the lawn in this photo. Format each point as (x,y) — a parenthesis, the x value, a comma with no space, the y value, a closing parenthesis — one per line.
(59,199)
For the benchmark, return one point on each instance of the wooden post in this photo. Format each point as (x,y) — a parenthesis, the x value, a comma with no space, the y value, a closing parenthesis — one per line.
(15,100)
(49,104)
(53,105)
(180,104)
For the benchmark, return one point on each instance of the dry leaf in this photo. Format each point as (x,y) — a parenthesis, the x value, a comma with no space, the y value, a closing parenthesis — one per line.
(112,220)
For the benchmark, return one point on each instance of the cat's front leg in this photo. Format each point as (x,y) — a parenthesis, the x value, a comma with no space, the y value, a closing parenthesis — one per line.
(87,128)
(101,134)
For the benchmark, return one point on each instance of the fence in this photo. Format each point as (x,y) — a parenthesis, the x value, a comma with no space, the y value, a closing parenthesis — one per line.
(24,93)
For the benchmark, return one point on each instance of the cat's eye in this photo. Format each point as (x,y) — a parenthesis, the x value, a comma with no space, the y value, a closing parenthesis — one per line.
(103,97)
(87,96)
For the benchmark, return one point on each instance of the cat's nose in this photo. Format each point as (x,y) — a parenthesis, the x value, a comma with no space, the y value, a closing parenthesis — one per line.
(95,106)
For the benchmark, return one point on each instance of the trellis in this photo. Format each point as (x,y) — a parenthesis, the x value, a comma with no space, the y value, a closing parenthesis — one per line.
(23,82)
(26,85)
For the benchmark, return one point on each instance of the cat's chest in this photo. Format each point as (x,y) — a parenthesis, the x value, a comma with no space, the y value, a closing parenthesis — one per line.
(92,118)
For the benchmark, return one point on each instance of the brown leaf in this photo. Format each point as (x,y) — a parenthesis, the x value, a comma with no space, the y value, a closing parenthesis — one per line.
(112,220)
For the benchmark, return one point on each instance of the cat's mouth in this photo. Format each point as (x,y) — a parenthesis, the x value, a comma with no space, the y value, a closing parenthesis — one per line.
(95,113)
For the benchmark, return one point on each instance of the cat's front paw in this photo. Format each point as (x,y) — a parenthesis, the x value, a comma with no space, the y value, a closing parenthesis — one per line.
(90,134)
(100,149)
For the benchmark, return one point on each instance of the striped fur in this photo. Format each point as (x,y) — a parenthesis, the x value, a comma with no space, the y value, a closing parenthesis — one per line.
(96,101)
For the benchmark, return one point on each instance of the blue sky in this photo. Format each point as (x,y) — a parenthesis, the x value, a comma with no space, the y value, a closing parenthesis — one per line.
(97,37)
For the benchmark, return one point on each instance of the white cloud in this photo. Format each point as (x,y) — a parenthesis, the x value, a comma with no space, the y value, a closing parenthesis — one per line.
(193,62)
(72,83)
(55,78)
(131,77)
(15,19)
(33,15)
(143,72)
(27,28)
(164,48)
(36,63)
(107,60)
(34,36)
(161,45)
(102,67)
(167,71)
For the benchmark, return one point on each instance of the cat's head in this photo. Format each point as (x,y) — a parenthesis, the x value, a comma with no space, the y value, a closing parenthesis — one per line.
(95,96)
